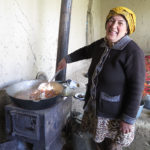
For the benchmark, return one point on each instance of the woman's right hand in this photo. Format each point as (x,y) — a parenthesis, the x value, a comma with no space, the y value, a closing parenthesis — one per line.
(61,65)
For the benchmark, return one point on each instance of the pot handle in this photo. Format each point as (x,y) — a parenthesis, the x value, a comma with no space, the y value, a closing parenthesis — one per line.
(41,75)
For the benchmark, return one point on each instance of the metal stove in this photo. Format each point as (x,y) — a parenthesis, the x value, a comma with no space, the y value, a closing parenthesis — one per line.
(41,129)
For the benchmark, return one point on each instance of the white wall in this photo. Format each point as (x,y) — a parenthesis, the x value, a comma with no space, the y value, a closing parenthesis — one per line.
(28,38)
(29,34)
(78,35)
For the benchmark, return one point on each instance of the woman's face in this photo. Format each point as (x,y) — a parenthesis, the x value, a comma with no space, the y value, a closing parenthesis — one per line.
(116,28)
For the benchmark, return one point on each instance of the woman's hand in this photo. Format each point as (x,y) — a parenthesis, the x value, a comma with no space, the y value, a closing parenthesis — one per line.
(61,65)
(125,127)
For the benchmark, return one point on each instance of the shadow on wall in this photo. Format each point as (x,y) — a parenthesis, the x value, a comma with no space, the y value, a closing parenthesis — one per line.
(4,100)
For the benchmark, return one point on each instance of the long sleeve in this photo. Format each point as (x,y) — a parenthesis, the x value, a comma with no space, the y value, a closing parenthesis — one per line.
(135,73)
(82,53)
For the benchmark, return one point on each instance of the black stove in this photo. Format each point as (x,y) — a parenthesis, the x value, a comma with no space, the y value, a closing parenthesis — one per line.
(40,129)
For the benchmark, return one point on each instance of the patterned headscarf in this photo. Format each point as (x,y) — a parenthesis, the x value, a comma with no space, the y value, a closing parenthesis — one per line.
(127,13)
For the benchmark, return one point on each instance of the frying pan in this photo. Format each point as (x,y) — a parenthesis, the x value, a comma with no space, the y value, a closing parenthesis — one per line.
(19,94)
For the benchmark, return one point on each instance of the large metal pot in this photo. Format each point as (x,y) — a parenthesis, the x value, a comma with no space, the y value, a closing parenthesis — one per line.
(24,88)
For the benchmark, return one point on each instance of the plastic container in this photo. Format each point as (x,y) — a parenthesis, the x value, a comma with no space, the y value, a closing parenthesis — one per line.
(146,99)
(140,109)
(147,103)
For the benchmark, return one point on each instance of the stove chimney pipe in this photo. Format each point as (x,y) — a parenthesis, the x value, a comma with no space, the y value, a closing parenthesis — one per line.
(63,38)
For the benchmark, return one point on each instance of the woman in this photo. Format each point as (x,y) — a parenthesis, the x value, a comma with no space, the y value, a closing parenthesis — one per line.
(115,80)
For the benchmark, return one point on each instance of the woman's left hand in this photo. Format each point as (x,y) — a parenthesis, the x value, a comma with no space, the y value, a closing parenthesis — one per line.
(125,127)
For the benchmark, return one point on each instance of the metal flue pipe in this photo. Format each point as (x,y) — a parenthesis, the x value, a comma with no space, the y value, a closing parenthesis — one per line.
(63,38)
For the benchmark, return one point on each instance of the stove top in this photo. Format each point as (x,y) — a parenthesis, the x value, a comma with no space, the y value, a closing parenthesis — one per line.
(40,128)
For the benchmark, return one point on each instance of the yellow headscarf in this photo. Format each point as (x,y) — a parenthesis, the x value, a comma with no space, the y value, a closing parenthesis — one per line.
(127,13)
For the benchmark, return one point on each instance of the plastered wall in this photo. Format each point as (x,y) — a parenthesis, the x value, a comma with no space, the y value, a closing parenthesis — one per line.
(78,34)
(29,34)
(28,38)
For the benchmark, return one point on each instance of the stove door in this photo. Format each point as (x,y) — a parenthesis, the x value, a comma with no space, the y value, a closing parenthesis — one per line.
(25,124)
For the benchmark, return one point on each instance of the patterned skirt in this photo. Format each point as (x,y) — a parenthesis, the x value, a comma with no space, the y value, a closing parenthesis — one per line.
(101,128)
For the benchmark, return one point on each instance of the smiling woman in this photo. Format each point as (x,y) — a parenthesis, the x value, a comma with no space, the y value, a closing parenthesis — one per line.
(128,15)
(116,28)
(119,23)
(114,90)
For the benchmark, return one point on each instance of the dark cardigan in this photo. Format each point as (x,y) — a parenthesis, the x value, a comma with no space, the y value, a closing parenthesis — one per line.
(120,82)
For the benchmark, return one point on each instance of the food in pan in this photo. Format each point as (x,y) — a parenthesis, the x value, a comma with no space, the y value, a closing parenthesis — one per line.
(39,94)
(44,91)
